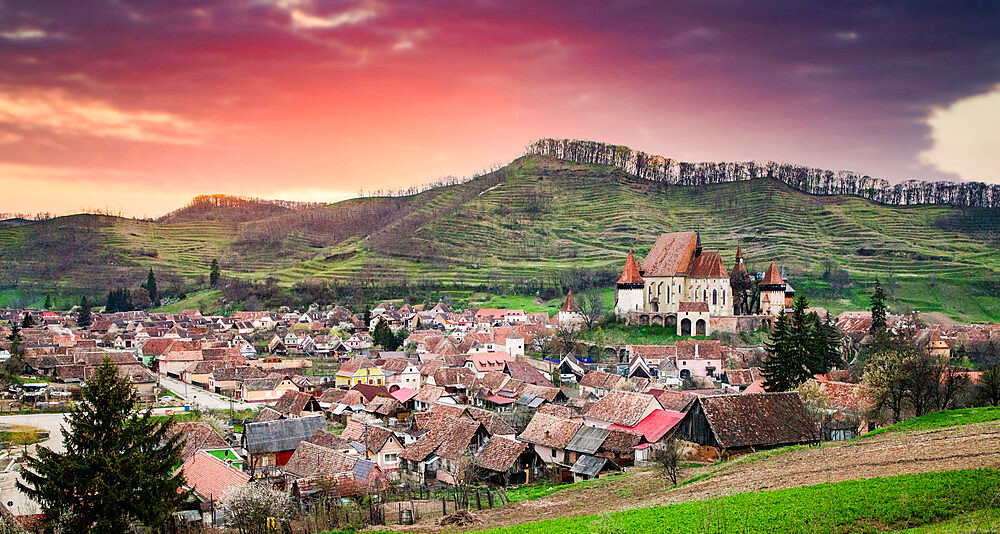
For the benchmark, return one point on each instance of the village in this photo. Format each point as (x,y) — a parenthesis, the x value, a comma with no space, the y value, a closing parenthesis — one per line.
(427,403)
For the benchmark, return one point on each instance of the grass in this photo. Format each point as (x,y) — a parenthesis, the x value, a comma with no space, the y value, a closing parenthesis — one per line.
(544,488)
(205,301)
(870,505)
(947,418)
(546,220)
(617,334)
(980,521)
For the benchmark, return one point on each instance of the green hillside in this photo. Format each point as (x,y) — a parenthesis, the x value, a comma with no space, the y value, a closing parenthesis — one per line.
(531,223)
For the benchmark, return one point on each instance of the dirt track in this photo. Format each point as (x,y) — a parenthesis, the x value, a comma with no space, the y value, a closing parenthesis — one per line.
(887,454)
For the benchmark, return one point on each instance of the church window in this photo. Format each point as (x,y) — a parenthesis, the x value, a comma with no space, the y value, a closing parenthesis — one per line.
(715,297)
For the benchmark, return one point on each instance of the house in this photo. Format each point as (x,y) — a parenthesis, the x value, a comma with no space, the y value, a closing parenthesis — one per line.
(699,358)
(623,408)
(377,443)
(210,480)
(508,461)
(748,421)
(550,435)
(485,362)
(270,444)
(401,372)
(359,370)
(527,373)
(178,356)
(297,404)
(599,383)
(937,346)
(652,428)
(439,453)
(198,436)
(266,389)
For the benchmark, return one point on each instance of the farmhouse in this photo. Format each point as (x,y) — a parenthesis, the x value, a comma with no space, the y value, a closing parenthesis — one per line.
(749,421)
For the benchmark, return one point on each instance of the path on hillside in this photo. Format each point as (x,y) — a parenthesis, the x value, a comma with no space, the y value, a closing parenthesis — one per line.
(887,454)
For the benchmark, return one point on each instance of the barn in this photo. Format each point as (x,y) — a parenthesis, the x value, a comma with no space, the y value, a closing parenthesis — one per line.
(748,422)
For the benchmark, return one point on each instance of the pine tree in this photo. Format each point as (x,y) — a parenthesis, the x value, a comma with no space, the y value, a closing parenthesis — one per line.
(213,274)
(383,336)
(118,468)
(778,366)
(879,309)
(150,286)
(801,346)
(28,321)
(15,339)
(48,302)
(83,318)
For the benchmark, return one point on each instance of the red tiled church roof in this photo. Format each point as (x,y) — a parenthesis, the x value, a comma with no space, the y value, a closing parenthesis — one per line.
(630,274)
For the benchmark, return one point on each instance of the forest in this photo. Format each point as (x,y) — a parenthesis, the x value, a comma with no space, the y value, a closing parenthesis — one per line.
(806,179)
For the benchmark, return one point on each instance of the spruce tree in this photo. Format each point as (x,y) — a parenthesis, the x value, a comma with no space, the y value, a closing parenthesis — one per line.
(83,318)
(28,321)
(778,366)
(118,468)
(15,339)
(383,336)
(48,302)
(213,273)
(801,346)
(150,286)
(879,309)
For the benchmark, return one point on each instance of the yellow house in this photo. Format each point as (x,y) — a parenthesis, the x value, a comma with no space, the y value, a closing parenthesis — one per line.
(359,370)
(939,347)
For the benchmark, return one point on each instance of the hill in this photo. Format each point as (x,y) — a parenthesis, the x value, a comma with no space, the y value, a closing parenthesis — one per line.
(537,225)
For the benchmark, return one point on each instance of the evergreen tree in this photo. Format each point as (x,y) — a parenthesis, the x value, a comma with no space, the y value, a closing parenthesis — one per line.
(879,309)
(118,468)
(801,346)
(48,302)
(778,367)
(213,273)
(15,339)
(382,335)
(150,286)
(28,321)
(83,318)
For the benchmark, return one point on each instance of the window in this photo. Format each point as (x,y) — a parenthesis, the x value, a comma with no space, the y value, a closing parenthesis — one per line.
(715,297)
(390,458)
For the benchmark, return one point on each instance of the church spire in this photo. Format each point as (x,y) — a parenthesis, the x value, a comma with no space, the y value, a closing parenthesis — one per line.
(630,274)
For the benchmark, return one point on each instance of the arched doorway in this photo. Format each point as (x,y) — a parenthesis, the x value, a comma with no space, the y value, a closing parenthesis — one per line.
(672,321)
(685,327)
(700,327)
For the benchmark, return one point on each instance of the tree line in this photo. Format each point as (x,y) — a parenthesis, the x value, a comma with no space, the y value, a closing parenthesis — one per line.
(807,179)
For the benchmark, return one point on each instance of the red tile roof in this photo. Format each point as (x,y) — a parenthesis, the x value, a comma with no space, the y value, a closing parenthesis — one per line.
(708,265)
(670,254)
(210,477)
(655,425)
(773,276)
(630,274)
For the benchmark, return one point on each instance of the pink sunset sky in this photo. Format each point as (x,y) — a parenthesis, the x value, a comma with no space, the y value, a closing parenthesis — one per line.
(137,106)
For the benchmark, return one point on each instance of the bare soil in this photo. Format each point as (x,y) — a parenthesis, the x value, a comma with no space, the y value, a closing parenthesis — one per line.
(887,454)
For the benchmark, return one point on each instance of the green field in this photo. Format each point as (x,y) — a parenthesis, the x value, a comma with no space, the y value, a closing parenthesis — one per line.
(871,505)
(530,225)
(947,418)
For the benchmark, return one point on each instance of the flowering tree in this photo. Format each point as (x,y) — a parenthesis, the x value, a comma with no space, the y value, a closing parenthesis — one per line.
(254,508)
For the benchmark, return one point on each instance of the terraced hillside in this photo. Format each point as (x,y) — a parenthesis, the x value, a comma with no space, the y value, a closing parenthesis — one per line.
(534,220)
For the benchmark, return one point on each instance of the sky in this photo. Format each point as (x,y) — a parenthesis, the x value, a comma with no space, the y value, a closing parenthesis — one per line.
(134,107)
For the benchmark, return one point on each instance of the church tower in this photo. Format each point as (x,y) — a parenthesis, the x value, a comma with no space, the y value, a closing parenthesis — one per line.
(628,290)
(772,292)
